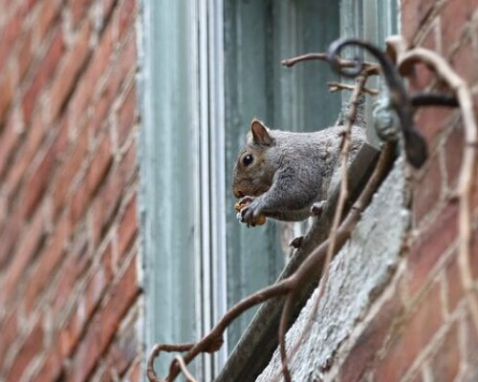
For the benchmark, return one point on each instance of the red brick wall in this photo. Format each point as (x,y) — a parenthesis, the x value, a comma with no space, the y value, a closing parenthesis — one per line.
(424,332)
(69,288)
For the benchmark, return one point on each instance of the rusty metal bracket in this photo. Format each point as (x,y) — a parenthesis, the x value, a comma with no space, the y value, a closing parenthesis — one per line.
(398,100)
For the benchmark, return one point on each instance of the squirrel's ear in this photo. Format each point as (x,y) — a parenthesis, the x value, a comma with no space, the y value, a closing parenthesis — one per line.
(260,133)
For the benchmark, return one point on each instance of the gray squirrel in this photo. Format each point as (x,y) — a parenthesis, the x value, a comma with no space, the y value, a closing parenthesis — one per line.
(286,175)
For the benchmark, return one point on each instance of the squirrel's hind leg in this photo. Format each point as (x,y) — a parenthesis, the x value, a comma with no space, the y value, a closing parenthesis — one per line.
(317,208)
(297,242)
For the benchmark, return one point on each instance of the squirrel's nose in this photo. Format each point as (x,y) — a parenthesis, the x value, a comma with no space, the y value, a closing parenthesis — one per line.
(238,194)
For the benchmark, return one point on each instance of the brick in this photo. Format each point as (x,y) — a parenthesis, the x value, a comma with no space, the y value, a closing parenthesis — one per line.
(431,244)
(413,15)
(108,6)
(10,139)
(47,67)
(78,10)
(25,55)
(472,5)
(125,63)
(61,142)
(105,375)
(123,351)
(106,205)
(453,18)
(78,205)
(121,298)
(69,169)
(50,95)
(47,14)
(70,334)
(102,55)
(85,92)
(30,245)
(446,362)
(27,6)
(129,165)
(7,84)
(100,111)
(25,155)
(118,73)
(68,279)
(52,367)
(128,227)
(71,67)
(409,19)
(99,281)
(417,333)
(99,166)
(8,238)
(9,36)
(422,76)
(464,61)
(427,190)
(127,115)
(105,324)
(49,259)
(474,254)
(38,181)
(455,288)
(8,334)
(431,121)
(126,15)
(471,341)
(418,377)
(454,154)
(30,348)
(71,271)
(365,349)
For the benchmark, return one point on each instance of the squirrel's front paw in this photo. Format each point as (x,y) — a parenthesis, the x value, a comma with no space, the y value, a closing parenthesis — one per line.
(250,214)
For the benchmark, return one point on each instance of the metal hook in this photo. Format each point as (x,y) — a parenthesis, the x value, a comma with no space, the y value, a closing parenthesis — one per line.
(415,145)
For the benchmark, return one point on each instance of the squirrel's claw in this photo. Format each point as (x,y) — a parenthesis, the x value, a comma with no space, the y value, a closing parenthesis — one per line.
(247,216)
(246,200)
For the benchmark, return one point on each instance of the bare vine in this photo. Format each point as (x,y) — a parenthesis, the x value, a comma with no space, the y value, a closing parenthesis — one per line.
(370,68)
(337,86)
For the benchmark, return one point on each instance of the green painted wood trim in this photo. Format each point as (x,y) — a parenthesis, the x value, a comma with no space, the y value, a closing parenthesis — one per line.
(167,171)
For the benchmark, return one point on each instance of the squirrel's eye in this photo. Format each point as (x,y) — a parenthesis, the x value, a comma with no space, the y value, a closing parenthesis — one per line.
(247,160)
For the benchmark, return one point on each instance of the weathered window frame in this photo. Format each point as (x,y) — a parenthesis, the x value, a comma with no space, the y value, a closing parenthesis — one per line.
(183,196)
(182,200)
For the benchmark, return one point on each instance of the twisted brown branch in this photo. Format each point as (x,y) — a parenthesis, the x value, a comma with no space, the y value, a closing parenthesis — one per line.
(214,339)
(337,86)
(371,69)
(157,349)
(184,369)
